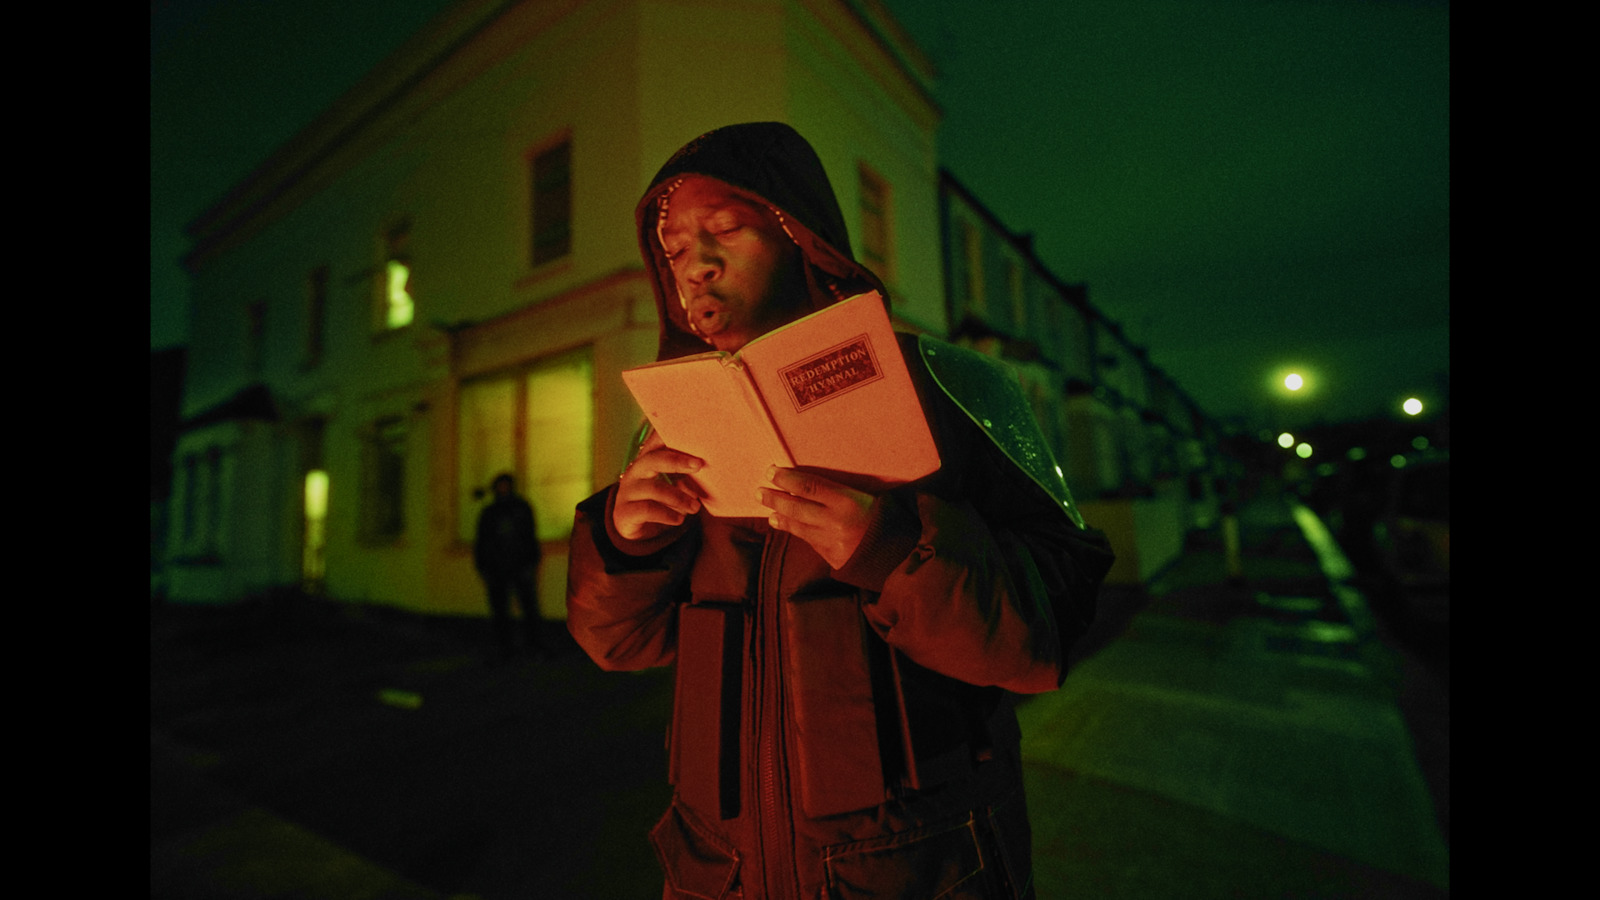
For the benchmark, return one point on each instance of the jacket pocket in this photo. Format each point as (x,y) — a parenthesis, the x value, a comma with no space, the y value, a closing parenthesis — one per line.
(697,863)
(941,862)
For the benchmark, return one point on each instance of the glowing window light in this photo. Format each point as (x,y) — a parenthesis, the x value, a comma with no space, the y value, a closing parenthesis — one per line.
(401,306)
(316,494)
(1286,440)
(1412,406)
(1303,451)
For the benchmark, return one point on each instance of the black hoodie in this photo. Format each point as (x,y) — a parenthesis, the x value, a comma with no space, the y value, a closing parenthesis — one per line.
(773,166)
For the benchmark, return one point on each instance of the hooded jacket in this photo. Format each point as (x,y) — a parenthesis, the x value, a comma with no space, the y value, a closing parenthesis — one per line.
(841,733)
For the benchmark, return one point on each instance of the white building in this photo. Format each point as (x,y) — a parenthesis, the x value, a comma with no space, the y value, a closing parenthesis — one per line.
(439,279)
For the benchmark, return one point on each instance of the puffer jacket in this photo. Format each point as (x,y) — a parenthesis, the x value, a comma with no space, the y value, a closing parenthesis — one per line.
(841,733)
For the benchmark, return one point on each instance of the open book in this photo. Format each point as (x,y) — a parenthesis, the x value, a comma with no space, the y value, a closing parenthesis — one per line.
(828,394)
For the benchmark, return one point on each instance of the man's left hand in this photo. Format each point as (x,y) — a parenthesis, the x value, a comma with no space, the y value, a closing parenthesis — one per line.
(827,515)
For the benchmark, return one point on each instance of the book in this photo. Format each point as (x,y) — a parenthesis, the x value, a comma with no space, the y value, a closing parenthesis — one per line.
(828,393)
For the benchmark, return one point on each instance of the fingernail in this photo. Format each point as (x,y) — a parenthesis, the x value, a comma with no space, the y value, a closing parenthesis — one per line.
(772,473)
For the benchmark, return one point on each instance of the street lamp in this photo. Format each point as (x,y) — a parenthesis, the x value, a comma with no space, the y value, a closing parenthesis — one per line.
(1288,385)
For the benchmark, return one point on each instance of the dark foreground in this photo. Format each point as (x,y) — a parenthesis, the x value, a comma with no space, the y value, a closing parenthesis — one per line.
(1262,739)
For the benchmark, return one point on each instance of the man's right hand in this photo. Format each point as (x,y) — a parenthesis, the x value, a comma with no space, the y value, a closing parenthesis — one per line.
(653,494)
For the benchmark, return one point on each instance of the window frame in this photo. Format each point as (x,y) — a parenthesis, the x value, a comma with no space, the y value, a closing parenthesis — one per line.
(394,248)
(382,504)
(542,249)
(876,208)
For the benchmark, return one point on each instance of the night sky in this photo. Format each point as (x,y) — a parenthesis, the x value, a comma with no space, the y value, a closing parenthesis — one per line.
(1245,185)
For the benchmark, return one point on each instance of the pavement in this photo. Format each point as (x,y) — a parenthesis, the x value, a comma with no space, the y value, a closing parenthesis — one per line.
(1263,736)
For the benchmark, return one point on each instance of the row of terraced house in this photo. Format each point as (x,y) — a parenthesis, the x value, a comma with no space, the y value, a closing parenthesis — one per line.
(438,280)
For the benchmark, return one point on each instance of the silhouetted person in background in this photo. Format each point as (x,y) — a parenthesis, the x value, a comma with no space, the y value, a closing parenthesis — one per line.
(506,554)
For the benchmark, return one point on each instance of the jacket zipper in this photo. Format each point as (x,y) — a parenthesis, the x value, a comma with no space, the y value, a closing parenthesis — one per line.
(775,839)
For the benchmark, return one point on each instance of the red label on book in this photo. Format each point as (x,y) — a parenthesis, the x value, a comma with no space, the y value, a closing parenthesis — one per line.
(832,372)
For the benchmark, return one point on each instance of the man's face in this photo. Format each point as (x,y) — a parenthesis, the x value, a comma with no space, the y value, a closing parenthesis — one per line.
(735,268)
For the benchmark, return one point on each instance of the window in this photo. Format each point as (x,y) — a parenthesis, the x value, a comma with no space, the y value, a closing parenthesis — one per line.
(314,540)
(395,307)
(1019,297)
(875,222)
(550,173)
(383,480)
(972,254)
(200,531)
(316,315)
(536,423)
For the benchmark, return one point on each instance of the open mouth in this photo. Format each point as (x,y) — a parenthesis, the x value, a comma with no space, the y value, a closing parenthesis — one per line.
(708,314)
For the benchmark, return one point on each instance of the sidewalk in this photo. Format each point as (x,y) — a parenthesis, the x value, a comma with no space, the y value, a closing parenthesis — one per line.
(1235,740)
(1214,740)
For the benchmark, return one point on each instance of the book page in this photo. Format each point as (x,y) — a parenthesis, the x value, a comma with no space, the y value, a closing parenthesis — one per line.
(699,408)
(837,388)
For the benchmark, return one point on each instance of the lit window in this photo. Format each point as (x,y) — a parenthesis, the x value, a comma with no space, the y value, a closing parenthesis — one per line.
(551,175)
(538,424)
(313,564)
(396,306)
(400,307)
(875,224)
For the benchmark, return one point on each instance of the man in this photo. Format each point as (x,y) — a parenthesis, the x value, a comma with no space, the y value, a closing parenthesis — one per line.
(506,553)
(841,725)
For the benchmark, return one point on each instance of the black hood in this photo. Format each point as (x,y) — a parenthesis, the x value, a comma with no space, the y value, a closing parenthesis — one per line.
(773,164)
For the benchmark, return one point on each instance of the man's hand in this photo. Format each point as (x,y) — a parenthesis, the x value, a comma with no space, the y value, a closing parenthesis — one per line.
(827,515)
(652,495)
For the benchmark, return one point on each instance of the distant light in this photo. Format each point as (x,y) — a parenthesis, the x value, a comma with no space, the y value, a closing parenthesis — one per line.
(1303,451)
(1286,440)
(1412,406)
(1294,382)
(1356,454)
(1419,442)
(1398,461)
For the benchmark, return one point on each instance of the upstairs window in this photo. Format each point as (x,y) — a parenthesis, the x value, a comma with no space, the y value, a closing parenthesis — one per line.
(875,222)
(316,315)
(1017,290)
(550,173)
(972,255)
(395,307)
